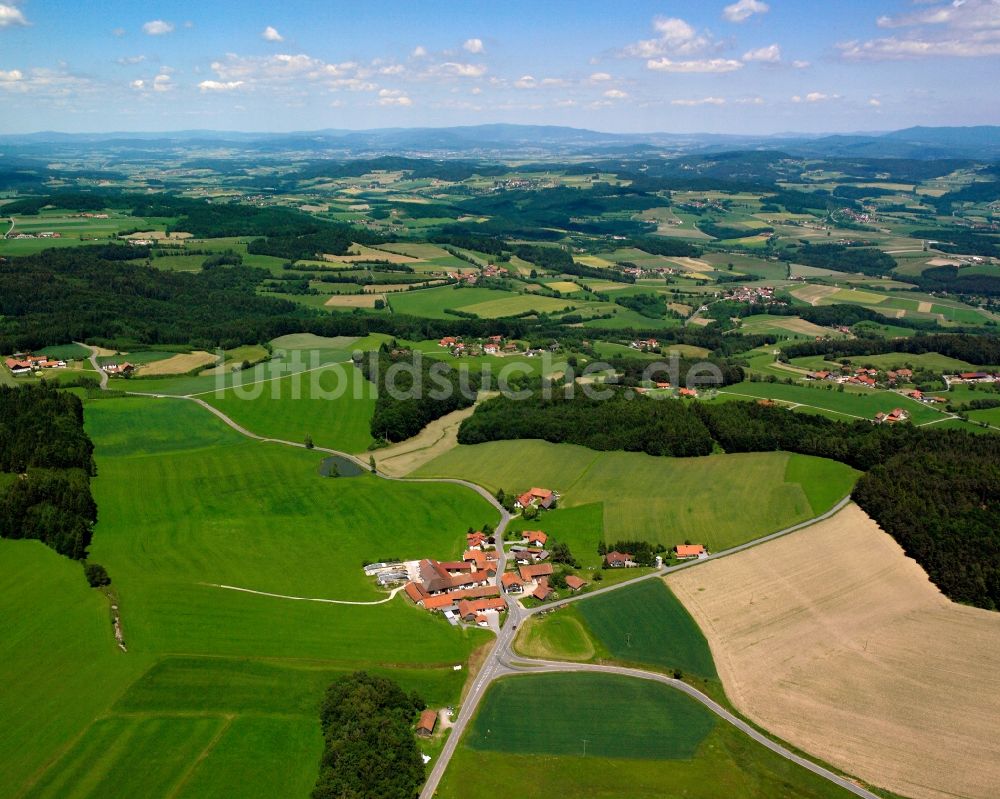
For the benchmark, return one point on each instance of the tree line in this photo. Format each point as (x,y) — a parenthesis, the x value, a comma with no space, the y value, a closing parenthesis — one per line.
(43,442)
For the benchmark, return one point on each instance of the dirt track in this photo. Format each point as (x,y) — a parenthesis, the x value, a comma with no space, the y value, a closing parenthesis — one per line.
(834,640)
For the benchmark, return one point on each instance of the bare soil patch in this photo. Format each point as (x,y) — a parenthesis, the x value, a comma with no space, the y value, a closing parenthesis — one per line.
(834,640)
(178,364)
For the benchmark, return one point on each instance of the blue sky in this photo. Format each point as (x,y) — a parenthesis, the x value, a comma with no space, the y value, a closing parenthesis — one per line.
(749,66)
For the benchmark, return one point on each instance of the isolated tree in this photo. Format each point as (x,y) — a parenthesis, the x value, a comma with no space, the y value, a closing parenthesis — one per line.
(371,463)
(96,575)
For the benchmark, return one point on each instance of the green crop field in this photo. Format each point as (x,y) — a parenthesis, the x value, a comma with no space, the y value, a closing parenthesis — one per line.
(931,361)
(666,500)
(565,708)
(647,625)
(560,711)
(561,635)
(66,352)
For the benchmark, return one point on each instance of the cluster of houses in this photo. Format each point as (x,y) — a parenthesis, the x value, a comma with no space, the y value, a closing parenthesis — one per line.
(46,235)
(124,369)
(626,560)
(862,376)
(491,345)
(755,295)
(645,344)
(543,498)
(25,364)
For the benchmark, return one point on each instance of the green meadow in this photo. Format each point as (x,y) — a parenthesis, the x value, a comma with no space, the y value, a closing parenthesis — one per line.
(841,405)
(218,692)
(667,500)
(643,740)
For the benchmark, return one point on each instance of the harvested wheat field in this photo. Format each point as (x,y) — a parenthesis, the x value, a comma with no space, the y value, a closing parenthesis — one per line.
(359,252)
(834,640)
(813,294)
(177,364)
(692,264)
(353,300)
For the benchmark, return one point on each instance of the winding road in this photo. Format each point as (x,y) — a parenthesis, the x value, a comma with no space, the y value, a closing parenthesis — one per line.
(502,661)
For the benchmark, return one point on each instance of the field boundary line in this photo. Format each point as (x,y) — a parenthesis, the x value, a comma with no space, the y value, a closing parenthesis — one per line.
(186,776)
(392,595)
(791,402)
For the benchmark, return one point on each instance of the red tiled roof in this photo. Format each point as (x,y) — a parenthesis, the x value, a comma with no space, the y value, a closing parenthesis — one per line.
(529,573)
(509,578)
(689,550)
(574,582)
(415,592)
(428,719)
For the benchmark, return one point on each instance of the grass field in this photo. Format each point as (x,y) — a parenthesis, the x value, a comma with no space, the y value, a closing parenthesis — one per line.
(333,405)
(678,750)
(58,649)
(932,361)
(185,502)
(834,640)
(842,405)
(431,303)
(719,500)
(785,325)
(561,635)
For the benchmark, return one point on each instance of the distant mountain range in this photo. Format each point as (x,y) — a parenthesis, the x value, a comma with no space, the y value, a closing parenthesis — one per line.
(527,141)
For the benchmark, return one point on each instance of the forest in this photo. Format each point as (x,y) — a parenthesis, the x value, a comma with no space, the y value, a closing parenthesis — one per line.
(43,442)
(369,747)
(639,424)
(842,258)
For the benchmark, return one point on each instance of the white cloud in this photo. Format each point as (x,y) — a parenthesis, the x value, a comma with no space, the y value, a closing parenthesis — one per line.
(270,34)
(765,55)
(801,64)
(742,10)
(750,101)
(615,94)
(711,65)
(599,77)
(11,15)
(127,61)
(462,70)
(474,46)
(11,76)
(161,83)
(392,69)
(138,84)
(419,51)
(960,29)
(220,86)
(158,27)
(815,97)
(525,82)
(701,101)
(874,101)
(393,97)
(675,38)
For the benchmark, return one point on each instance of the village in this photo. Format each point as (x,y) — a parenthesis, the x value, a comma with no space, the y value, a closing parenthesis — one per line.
(470,591)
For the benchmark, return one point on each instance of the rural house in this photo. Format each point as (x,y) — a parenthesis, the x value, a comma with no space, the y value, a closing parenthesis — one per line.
(426,723)
(690,551)
(537,497)
(619,560)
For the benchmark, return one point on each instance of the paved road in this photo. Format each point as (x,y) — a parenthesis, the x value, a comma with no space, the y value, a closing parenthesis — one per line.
(501,660)
(10,232)
(93,362)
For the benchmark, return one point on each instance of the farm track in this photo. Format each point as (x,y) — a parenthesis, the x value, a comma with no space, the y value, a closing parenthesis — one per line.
(501,661)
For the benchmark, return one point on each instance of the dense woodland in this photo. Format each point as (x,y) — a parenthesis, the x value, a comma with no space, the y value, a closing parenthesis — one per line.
(369,750)
(657,427)
(43,442)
